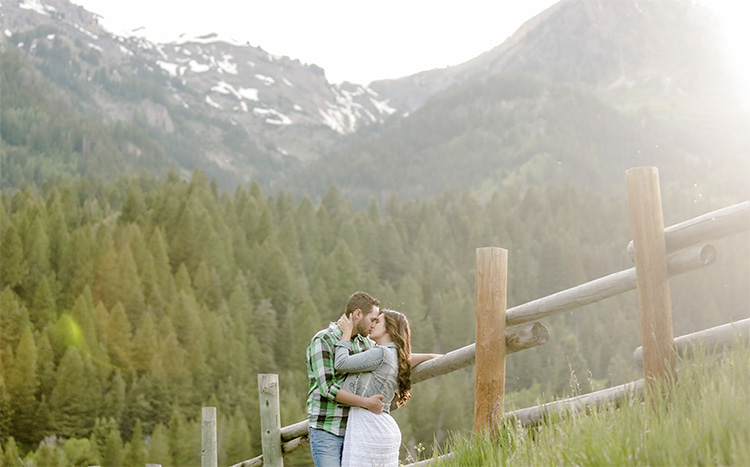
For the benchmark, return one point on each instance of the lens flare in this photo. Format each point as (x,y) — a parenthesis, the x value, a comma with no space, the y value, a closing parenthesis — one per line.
(70,331)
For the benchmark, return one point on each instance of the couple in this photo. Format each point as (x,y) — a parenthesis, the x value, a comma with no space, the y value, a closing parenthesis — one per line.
(353,383)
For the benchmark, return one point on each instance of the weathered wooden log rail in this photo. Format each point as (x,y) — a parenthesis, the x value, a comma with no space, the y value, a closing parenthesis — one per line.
(713,341)
(683,249)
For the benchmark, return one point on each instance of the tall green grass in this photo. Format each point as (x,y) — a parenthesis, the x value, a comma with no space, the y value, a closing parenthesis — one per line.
(704,420)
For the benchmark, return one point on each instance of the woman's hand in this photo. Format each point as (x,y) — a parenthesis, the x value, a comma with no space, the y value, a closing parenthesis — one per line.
(346,326)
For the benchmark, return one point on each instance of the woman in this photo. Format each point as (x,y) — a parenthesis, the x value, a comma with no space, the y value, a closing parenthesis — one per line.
(374,440)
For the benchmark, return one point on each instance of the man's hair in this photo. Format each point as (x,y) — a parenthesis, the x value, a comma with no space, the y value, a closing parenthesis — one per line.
(361,301)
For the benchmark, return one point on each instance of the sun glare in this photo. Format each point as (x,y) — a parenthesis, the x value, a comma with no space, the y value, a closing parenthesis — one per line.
(733,17)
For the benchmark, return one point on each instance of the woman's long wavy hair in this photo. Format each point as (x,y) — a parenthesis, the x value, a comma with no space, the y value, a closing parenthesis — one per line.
(397,326)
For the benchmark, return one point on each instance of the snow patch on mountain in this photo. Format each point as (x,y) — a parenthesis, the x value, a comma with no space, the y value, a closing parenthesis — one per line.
(346,113)
(222,87)
(272,116)
(36,6)
(226,65)
(267,80)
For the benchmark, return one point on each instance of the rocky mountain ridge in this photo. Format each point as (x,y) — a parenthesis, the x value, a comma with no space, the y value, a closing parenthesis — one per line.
(284,108)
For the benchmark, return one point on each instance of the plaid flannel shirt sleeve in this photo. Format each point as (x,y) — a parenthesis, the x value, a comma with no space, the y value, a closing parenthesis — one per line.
(321,358)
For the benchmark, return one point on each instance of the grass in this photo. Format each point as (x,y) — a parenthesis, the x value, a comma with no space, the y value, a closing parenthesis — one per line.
(703,420)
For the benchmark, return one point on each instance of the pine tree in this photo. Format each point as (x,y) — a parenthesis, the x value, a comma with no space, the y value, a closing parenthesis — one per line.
(134,209)
(135,452)
(11,456)
(81,452)
(163,271)
(75,400)
(46,365)
(411,304)
(23,384)
(77,270)
(183,283)
(43,307)
(240,307)
(158,449)
(119,338)
(144,262)
(114,395)
(145,345)
(129,290)
(299,326)
(276,277)
(184,441)
(265,324)
(49,455)
(36,252)
(171,355)
(14,317)
(390,254)
(13,266)
(207,286)
(59,242)
(113,454)
(238,442)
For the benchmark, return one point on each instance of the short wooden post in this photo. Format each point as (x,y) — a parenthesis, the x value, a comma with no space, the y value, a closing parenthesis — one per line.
(208,437)
(489,386)
(270,420)
(654,302)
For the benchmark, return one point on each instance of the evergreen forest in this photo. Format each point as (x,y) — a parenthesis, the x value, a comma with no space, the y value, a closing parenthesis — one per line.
(130,303)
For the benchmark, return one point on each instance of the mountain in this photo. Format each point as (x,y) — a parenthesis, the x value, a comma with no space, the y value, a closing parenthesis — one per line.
(232,109)
(580,93)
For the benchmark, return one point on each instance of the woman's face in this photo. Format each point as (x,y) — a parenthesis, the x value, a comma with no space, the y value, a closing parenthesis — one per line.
(379,330)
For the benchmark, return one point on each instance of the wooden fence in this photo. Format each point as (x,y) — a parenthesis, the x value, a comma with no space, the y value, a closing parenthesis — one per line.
(659,253)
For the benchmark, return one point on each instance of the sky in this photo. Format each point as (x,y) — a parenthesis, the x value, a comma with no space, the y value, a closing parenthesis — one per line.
(362,41)
(353,40)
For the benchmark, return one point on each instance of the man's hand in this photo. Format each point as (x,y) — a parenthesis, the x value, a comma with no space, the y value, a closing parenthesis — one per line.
(374,404)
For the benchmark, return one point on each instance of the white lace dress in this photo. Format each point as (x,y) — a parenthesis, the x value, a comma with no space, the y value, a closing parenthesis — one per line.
(371,440)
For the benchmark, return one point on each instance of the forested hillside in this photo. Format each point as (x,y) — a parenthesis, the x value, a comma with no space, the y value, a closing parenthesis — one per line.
(129,304)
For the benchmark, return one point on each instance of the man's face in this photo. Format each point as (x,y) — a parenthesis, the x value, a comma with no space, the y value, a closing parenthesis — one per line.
(368,321)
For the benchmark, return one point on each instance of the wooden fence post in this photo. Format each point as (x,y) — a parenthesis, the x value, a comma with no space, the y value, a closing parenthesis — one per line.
(654,302)
(270,420)
(208,437)
(489,386)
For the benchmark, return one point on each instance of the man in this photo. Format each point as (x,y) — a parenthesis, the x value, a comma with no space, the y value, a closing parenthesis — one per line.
(328,404)
(327,418)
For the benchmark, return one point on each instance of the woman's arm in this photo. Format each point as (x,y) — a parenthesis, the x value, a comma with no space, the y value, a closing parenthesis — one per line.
(373,403)
(417,358)
(363,361)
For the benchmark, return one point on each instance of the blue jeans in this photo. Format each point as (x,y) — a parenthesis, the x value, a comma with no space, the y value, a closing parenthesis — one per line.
(326,448)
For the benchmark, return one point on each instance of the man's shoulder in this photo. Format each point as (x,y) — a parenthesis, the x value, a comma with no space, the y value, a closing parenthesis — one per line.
(323,334)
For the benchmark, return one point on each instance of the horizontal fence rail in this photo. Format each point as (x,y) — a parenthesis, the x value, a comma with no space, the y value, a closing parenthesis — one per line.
(706,228)
(713,340)
(609,396)
(605,287)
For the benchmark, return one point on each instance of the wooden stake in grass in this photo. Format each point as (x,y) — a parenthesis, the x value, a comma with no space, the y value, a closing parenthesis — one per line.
(270,420)
(654,302)
(208,437)
(491,288)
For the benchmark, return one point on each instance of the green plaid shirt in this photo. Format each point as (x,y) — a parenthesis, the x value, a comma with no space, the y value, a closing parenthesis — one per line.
(322,410)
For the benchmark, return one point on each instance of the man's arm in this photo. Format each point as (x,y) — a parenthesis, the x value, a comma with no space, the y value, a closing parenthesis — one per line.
(373,403)
(321,368)
(417,358)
